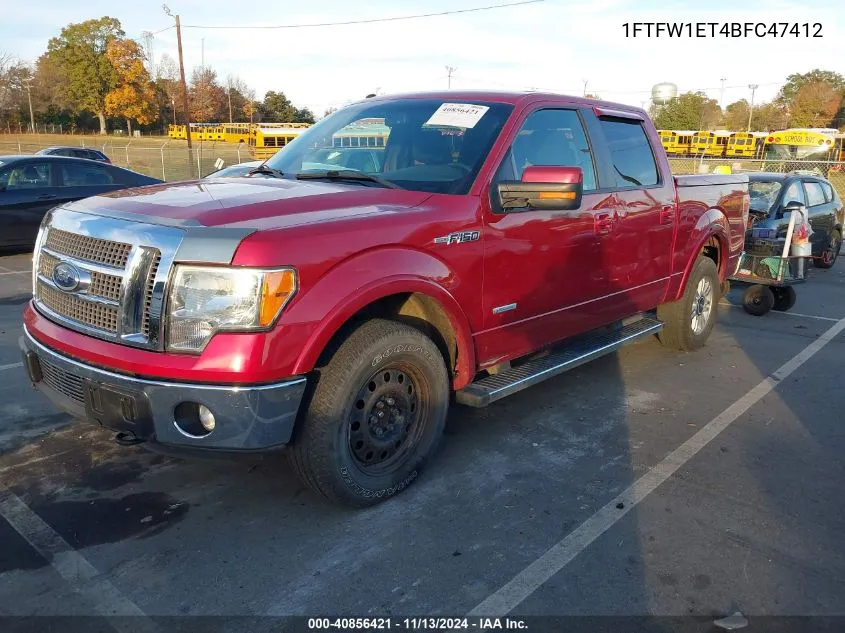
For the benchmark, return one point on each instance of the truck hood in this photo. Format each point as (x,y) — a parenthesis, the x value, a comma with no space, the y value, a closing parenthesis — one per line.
(260,203)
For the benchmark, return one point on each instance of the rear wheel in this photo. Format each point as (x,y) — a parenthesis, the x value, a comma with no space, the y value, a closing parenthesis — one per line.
(784,298)
(758,300)
(376,415)
(688,322)
(831,251)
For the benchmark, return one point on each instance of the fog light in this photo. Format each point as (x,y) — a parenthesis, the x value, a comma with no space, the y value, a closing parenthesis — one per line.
(206,418)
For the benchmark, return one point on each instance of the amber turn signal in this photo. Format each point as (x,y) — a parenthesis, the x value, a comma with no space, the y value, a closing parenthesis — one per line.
(277,289)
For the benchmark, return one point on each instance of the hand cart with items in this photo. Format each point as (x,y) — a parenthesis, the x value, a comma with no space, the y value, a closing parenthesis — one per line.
(771,265)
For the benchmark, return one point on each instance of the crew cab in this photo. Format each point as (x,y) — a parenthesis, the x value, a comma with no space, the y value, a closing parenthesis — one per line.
(497,239)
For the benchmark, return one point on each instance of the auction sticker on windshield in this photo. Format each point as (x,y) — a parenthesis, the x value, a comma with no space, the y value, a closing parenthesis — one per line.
(463,115)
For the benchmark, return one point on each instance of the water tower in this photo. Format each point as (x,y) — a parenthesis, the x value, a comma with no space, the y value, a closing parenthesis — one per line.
(663,93)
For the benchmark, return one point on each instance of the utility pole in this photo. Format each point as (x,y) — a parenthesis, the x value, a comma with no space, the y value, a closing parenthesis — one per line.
(449,71)
(184,88)
(753,87)
(722,92)
(230,103)
(585,88)
(31,116)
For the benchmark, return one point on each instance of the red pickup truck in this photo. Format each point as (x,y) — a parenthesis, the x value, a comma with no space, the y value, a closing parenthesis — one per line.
(404,250)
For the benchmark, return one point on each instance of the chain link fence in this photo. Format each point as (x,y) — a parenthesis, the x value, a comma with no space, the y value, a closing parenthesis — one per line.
(170,159)
(833,171)
(167,160)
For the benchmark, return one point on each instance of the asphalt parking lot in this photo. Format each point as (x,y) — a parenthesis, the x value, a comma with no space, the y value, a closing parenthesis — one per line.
(646,483)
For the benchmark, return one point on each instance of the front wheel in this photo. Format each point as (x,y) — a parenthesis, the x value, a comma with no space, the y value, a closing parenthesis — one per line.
(831,251)
(687,322)
(376,416)
(758,300)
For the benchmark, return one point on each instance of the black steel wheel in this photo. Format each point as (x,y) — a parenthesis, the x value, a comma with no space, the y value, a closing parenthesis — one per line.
(784,298)
(758,300)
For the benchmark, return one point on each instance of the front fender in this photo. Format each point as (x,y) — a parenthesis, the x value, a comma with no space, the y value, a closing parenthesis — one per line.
(359,281)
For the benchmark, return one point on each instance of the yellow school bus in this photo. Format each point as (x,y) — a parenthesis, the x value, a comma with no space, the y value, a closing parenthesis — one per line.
(676,142)
(361,136)
(265,139)
(810,144)
(235,132)
(746,144)
(176,131)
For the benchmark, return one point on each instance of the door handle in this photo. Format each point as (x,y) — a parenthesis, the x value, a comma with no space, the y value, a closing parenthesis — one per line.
(667,214)
(603,223)
(46,196)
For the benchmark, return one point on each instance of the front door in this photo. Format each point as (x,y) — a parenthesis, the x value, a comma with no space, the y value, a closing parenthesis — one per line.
(821,214)
(544,271)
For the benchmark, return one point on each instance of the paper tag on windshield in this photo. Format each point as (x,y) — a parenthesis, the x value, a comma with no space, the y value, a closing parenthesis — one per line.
(463,115)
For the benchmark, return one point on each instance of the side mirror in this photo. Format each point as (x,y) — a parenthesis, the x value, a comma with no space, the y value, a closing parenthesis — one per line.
(792,206)
(543,188)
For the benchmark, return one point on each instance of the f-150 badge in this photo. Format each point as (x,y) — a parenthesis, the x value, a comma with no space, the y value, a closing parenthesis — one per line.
(458,238)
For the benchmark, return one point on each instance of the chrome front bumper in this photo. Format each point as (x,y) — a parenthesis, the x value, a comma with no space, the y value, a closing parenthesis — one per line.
(248,418)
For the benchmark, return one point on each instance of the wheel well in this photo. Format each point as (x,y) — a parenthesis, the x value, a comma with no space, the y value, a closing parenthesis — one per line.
(415,309)
(713,249)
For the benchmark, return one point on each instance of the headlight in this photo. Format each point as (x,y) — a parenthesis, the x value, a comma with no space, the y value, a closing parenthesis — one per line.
(205,300)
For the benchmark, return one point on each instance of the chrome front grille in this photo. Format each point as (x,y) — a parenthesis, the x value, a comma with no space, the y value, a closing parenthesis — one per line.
(90,249)
(91,313)
(117,285)
(62,381)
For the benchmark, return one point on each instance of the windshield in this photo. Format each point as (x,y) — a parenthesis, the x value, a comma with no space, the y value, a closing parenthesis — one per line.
(763,195)
(417,144)
(781,152)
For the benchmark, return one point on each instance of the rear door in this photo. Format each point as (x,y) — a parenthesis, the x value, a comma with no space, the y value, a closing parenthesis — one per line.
(639,253)
(27,191)
(821,213)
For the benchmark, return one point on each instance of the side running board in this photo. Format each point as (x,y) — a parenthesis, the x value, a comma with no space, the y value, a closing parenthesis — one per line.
(581,350)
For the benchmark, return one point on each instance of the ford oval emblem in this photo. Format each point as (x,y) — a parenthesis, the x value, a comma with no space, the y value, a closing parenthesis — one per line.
(66,277)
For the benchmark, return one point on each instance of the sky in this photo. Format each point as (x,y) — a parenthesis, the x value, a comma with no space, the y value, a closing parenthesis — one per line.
(553,45)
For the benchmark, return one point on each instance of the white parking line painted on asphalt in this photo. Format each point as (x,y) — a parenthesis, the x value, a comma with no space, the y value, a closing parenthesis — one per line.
(788,313)
(10,366)
(564,551)
(103,596)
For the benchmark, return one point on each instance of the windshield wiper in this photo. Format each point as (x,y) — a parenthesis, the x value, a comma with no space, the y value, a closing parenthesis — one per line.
(265,169)
(345,174)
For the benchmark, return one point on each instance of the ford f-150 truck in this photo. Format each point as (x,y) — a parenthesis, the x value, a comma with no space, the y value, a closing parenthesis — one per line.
(403,252)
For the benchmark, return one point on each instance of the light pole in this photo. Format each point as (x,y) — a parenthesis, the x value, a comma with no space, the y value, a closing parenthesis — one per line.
(449,71)
(722,92)
(585,88)
(184,87)
(31,117)
(753,87)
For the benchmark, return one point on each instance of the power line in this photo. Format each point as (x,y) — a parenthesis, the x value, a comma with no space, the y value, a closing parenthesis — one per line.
(370,21)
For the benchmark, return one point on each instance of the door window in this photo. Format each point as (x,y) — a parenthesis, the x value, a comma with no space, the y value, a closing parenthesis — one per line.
(550,138)
(29,176)
(83,175)
(815,194)
(793,193)
(828,191)
(630,152)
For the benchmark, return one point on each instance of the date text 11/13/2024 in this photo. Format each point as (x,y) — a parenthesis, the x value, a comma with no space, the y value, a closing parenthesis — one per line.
(418,624)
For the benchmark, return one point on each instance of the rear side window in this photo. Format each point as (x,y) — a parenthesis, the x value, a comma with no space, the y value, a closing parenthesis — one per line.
(828,191)
(630,152)
(815,194)
(85,175)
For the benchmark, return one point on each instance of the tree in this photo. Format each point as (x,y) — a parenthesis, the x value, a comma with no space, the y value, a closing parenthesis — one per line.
(689,111)
(328,112)
(207,97)
(134,97)
(303,115)
(277,108)
(14,78)
(735,117)
(238,95)
(84,71)
(769,116)
(167,85)
(796,81)
(815,105)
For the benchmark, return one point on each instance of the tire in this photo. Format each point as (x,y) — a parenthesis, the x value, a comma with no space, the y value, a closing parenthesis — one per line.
(831,251)
(784,298)
(687,322)
(343,450)
(758,300)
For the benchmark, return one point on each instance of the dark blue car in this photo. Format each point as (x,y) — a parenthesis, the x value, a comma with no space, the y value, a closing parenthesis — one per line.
(31,185)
